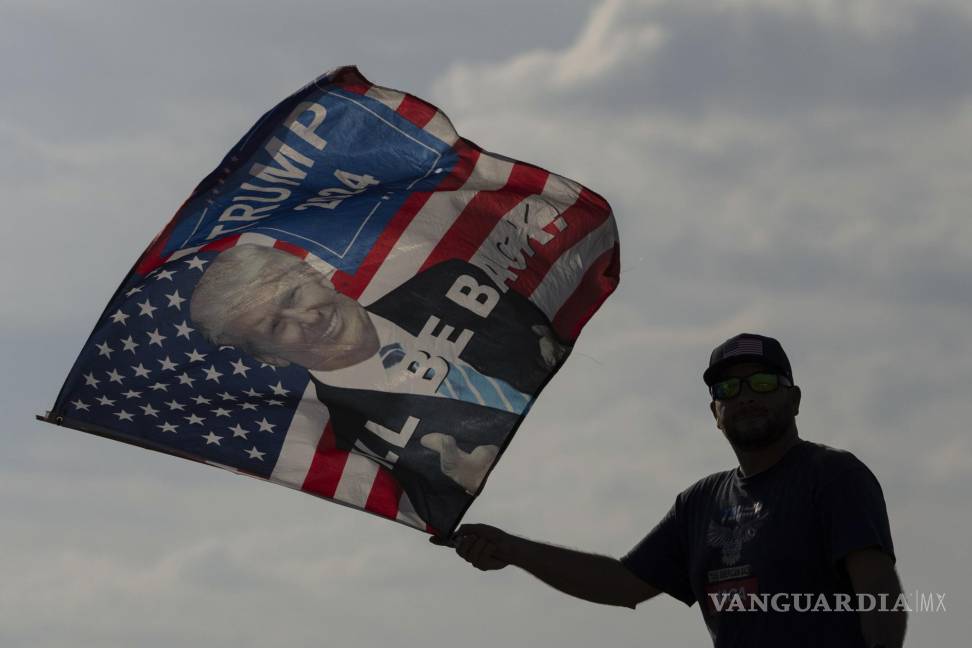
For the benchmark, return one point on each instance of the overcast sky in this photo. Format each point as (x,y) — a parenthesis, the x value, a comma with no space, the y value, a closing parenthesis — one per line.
(798,168)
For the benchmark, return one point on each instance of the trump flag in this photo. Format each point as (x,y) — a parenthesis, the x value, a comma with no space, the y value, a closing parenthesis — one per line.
(356,303)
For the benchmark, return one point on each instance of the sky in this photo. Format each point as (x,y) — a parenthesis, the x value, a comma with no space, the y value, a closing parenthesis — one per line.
(788,167)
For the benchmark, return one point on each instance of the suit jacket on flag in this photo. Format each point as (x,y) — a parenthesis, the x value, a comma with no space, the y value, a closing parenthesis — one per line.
(504,344)
(476,417)
(355,417)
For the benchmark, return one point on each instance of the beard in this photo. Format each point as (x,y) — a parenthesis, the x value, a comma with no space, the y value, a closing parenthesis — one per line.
(754,430)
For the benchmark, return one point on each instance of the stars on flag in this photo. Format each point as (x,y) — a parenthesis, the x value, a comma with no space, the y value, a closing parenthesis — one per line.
(239,369)
(155,337)
(219,404)
(146,308)
(167,364)
(196,263)
(183,330)
(212,437)
(175,300)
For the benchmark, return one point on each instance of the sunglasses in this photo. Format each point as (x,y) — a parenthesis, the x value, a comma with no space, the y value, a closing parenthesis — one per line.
(760,383)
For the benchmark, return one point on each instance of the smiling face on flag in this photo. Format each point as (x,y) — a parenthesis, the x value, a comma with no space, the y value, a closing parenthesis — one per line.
(280,310)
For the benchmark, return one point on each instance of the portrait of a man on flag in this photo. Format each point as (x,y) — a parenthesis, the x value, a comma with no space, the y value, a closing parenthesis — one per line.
(281,311)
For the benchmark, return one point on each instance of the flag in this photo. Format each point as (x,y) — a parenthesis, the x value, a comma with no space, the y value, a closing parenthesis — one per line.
(356,303)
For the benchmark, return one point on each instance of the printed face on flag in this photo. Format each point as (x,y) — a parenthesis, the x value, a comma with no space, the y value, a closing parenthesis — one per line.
(279,309)
(357,303)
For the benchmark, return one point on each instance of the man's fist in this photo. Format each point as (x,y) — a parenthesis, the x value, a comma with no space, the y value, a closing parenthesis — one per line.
(481,545)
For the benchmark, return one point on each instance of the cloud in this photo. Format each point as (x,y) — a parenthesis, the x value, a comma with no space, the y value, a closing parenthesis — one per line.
(797,142)
(773,59)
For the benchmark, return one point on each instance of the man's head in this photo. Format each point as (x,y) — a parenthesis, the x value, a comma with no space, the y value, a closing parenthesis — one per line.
(280,310)
(754,400)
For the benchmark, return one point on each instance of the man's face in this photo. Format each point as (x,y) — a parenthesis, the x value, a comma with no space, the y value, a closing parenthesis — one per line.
(297,316)
(753,420)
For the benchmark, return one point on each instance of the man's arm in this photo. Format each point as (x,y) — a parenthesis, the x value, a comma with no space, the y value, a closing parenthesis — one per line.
(872,572)
(591,577)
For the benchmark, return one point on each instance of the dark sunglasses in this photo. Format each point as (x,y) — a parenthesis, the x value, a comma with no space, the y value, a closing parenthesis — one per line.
(760,383)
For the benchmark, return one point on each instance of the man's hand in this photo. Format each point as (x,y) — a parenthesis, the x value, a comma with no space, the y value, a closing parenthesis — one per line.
(481,545)
(587,576)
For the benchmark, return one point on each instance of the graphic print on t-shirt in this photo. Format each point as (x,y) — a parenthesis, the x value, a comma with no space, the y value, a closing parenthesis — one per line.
(735,526)
(729,582)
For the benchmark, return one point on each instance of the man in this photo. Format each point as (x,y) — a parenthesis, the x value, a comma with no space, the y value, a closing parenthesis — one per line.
(429,381)
(796,519)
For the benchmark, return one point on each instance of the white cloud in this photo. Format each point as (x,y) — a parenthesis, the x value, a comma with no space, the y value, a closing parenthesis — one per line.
(775,59)
(859,179)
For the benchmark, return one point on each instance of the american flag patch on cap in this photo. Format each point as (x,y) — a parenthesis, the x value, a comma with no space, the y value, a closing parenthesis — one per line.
(745,346)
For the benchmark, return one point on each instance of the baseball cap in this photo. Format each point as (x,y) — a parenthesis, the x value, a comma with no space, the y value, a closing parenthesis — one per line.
(747,347)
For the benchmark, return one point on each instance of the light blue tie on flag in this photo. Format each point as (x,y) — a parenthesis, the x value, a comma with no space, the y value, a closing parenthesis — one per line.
(364,196)
(464,383)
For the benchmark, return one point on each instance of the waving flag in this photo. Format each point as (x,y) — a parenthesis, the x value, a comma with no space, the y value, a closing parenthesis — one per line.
(357,303)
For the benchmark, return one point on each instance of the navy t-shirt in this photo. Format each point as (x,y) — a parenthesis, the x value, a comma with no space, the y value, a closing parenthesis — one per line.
(784,530)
